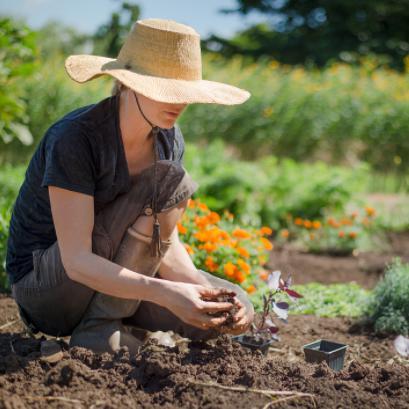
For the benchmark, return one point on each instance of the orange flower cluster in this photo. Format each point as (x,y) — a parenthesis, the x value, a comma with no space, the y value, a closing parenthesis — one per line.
(230,252)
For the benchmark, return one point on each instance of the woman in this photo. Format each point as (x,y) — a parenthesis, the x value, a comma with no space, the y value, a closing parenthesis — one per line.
(95,219)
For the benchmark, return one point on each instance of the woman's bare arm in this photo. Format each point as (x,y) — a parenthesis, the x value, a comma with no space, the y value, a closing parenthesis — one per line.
(178,266)
(73,216)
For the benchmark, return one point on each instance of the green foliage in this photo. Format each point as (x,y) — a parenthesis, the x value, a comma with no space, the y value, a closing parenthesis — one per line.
(266,191)
(318,31)
(334,300)
(11,179)
(342,114)
(388,309)
(17,62)
(56,95)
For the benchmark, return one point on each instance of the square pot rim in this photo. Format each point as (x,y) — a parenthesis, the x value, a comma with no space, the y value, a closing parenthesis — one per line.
(340,348)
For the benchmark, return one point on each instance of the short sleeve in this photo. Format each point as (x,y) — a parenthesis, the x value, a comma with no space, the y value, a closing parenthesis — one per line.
(69,160)
(179,146)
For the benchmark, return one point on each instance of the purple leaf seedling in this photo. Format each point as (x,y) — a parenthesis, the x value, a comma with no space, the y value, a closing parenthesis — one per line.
(265,329)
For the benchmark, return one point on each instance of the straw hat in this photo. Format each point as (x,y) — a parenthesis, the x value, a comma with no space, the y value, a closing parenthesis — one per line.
(160,59)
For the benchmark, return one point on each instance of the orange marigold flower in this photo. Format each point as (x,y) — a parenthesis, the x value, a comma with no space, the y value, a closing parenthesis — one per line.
(316,224)
(346,222)
(229,269)
(209,247)
(333,223)
(341,234)
(266,230)
(201,221)
(239,276)
(189,248)
(251,289)
(203,206)
(353,235)
(243,252)
(213,218)
(181,229)
(243,265)
(266,243)
(285,233)
(298,221)
(241,233)
(264,275)
(307,224)
(191,204)
(201,235)
(370,211)
(262,259)
(211,265)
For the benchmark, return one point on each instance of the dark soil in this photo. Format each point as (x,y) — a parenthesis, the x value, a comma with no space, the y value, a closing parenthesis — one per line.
(164,377)
(184,376)
(364,268)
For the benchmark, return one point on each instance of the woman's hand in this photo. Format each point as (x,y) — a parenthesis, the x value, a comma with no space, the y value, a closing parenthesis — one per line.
(186,302)
(241,320)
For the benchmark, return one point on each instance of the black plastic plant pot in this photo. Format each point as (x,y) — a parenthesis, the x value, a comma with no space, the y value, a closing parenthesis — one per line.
(322,350)
(252,343)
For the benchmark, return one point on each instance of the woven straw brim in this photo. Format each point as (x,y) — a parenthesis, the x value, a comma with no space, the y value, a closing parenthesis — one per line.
(83,68)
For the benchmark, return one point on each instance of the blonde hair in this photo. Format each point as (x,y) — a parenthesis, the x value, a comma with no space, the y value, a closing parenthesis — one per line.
(117,87)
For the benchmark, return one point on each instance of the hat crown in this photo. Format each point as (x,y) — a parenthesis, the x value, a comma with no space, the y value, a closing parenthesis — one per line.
(163,48)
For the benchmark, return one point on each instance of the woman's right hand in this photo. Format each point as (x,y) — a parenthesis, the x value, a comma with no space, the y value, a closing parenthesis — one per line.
(186,302)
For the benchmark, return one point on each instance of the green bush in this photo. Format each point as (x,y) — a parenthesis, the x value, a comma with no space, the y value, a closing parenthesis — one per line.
(388,309)
(265,192)
(11,179)
(17,62)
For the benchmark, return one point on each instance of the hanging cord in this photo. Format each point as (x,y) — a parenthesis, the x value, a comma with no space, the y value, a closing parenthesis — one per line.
(155,243)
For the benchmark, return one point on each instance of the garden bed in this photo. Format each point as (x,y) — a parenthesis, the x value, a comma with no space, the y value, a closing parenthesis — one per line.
(183,376)
(216,374)
(365,268)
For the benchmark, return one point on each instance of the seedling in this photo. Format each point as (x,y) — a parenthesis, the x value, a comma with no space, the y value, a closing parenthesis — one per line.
(264,330)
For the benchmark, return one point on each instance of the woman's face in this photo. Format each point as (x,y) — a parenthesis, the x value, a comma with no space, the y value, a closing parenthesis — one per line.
(161,114)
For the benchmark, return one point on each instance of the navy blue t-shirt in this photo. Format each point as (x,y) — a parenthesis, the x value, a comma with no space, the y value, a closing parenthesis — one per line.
(82,152)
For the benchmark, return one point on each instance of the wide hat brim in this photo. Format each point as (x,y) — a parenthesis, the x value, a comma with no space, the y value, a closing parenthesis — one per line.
(83,68)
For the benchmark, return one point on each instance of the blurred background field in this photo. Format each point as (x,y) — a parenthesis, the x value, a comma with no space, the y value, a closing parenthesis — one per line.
(325,133)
